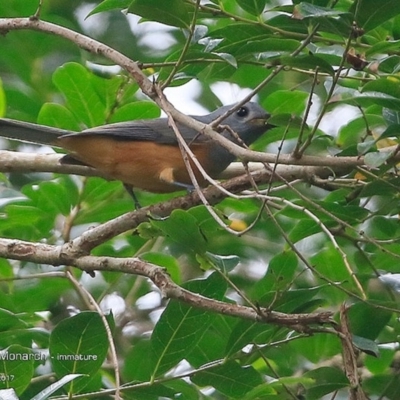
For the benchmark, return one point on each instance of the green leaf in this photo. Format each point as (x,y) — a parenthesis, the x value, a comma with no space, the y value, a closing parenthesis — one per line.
(281,269)
(391,117)
(139,354)
(231,379)
(53,197)
(196,63)
(9,320)
(364,147)
(24,215)
(391,131)
(304,228)
(383,47)
(235,38)
(136,110)
(366,345)
(228,58)
(44,394)
(168,12)
(261,392)
(367,323)
(308,10)
(108,5)
(371,98)
(331,264)
(376,159)
(112,90)
(389,85)
(16,368)
(166,261)
(294,301)
(316,348)
(326,380)
(79,345)
(351,213)
(380,365)
(183,228)
(58,116)
(384,227)
(223,263)
(73,80)
(306,62)
(272,46)
(280,273)
(351,133)
(390,65)
(254,7)
(286,102)
(217,334)
(369,16)
(181,327)
(381,188)
(183,389)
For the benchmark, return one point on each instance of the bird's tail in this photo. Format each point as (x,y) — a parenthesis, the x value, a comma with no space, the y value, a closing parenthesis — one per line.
(32,133)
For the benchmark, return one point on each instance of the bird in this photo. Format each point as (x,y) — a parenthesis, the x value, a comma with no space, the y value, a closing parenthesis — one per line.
(145,154)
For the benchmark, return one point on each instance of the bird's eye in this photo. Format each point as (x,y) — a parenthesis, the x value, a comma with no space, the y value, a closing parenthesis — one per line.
(242,112)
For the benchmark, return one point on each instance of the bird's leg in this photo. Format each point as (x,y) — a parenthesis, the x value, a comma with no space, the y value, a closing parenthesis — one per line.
(129,189)
(189,188)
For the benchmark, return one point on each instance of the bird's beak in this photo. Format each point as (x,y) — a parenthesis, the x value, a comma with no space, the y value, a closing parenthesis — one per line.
(263,121)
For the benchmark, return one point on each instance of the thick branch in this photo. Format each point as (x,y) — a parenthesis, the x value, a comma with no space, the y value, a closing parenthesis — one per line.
(350,357)
(58,255)
(11,161)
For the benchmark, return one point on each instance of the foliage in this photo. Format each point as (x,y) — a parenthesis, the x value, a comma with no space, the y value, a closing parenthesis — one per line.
(329,73)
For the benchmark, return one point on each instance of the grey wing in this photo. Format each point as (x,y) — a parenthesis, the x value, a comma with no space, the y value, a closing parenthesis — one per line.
(156,130)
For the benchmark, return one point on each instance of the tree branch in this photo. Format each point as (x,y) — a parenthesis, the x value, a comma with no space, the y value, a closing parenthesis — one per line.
(65,254)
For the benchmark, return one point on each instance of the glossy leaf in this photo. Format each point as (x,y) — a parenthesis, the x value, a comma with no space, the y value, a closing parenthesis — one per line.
(230,379)
(183,228)
(235,38)
(181,326)
(370,98)
(369,16)
(108,5)
(308,10)
(365,323)
(366,345)
(376,159)
(56,115)
(74,82)
(78,345)
(303,229)
(44,394)
(390,86)
(16,368)
(169,12)
(136,110)
(281,102)
(327,380)
(307,62)
(254,7)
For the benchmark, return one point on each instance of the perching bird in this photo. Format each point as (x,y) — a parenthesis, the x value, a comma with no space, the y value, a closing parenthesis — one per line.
(144,154)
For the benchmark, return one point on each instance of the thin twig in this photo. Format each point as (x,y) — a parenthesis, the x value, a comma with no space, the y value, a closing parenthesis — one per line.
(185,49)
